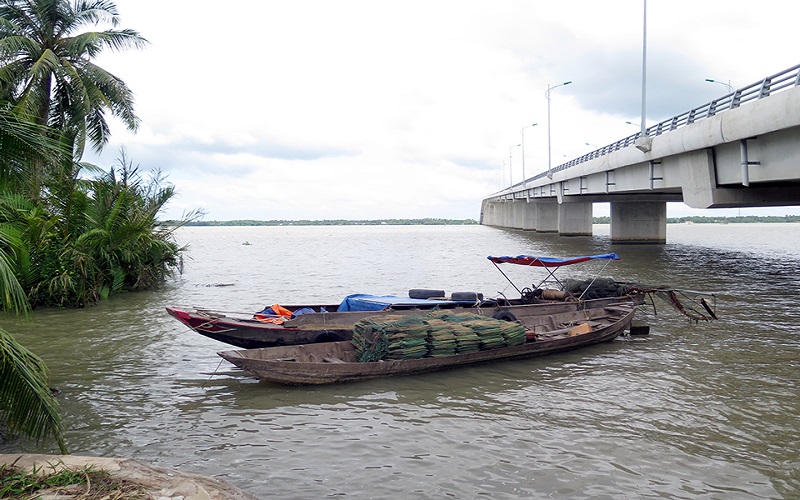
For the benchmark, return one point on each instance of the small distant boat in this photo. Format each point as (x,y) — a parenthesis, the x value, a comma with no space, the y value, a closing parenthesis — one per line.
(334,362)
(281,325)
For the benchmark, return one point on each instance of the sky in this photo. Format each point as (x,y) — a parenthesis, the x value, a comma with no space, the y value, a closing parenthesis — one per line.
(367,109)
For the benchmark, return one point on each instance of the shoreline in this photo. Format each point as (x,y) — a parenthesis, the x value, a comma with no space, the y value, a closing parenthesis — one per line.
(160,483)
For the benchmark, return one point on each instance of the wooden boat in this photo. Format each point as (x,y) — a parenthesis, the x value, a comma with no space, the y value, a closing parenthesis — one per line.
(250,333)
(306,324)
(332,362)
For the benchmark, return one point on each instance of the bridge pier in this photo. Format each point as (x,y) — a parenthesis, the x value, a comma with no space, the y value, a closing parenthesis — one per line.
(547,216)
(639,222)
(575,219)
(570,218)
(520,212)
(529,220)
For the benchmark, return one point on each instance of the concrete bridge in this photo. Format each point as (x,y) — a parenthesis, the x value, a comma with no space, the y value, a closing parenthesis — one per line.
(741,150)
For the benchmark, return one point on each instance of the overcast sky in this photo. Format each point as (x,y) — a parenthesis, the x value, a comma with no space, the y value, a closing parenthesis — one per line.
(321,109)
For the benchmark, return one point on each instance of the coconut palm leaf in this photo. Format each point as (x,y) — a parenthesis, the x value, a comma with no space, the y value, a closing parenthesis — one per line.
(26,403)
(46,66)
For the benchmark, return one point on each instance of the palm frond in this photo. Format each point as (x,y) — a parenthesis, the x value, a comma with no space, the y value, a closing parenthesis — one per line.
(26,403)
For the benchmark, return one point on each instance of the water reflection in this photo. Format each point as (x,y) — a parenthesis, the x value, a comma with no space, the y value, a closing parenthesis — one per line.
(693,410)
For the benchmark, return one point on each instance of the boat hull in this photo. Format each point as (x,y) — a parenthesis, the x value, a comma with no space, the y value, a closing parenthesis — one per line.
(335,361)
(249,333)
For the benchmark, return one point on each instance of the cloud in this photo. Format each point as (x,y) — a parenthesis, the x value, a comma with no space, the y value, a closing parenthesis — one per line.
(361,109)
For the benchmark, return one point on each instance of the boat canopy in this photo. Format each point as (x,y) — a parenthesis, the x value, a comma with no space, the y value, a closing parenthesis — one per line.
(531,260)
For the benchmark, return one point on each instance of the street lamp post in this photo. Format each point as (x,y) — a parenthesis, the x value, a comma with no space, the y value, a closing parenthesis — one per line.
(549,155)
(522,132)
(644,73)
(728,85)
(510,170)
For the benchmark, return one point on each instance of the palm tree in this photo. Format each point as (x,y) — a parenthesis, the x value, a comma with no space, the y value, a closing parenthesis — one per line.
(22,142)
(26,404)
(46,67)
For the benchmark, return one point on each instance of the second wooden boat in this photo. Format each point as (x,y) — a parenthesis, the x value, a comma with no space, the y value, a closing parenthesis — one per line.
(332,362)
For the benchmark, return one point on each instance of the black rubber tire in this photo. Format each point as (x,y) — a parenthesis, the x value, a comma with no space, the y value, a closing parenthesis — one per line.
(504,316)
(423,293)
(326,337)
(473,296)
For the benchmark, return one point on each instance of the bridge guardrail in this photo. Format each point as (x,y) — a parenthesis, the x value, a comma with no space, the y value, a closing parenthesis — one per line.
(766,87)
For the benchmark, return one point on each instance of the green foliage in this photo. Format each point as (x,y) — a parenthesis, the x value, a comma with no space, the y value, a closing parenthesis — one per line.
(26,404)
(47,71)
(66,240)
(718,220)
(737,219)
(91,482)
(334,222)
(101,238)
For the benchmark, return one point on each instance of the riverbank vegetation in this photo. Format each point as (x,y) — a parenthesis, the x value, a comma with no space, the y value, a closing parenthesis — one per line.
(335,222)
(468,222)
(740,219)
(71,233)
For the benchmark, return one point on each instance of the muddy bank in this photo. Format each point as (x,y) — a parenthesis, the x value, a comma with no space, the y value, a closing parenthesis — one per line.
(161,484)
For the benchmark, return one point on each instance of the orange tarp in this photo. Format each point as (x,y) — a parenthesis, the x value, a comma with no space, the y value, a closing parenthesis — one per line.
(281,314)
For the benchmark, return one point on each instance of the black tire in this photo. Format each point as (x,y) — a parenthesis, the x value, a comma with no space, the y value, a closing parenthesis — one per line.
(471,296)
(423,293)
(504,316)
(326,337)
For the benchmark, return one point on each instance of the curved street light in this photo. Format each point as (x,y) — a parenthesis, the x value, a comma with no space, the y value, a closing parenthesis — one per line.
(522,132)
(643,131)
(549,156)
(728,85)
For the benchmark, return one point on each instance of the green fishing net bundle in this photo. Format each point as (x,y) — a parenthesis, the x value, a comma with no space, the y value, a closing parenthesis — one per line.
(432,335)
(491,332)
(370,341)
(441,339)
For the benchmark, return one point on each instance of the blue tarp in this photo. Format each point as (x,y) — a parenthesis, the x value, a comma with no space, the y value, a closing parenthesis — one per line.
(366,302)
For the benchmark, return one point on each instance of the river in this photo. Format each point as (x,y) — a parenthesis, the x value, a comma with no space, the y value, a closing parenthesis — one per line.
(706,410)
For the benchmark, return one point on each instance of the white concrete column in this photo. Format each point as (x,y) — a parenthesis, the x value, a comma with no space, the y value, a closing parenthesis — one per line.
(547,216)
(485,217)
(575,218)
(518,221)
(638,222)
(529,222)
(508,214)
(493,213)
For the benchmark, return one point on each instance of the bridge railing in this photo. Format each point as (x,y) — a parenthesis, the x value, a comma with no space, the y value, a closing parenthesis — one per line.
(770,85)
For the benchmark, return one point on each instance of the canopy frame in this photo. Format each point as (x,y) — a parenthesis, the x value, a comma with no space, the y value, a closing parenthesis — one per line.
(550,262)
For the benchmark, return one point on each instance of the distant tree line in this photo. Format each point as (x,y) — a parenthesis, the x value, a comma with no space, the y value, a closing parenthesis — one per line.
(334,222)
(464,222)
(718,220)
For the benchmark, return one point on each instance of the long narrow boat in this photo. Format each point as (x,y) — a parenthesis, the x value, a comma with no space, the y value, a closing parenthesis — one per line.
(306,324)
(250,333)
(333,362)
